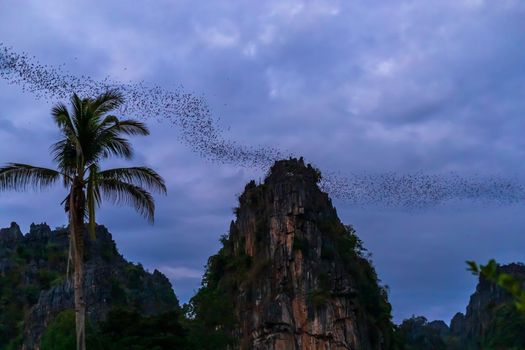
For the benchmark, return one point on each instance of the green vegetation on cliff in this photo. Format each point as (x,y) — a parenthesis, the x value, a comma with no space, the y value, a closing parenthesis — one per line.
(494,320)
(121,330)
(210,313)
(287,266)
(34,292)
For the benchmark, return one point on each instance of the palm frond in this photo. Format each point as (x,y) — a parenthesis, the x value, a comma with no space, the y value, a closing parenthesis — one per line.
(140,176)
(61,117)
(78,110)
(131,127)
(106,102)
(116,146)
(90,135)
(107,122)
(108,141)
(16,176)
(120,192)
(67,125)
(65,156)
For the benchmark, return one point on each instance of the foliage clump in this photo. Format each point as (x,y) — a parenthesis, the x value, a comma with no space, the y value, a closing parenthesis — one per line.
(210,317)
(122,330)
(341,242)
(417,334)
(506,329)
(31,268)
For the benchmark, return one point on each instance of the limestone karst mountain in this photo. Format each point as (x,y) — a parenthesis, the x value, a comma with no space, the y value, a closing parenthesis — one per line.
(290,275)
(34,289)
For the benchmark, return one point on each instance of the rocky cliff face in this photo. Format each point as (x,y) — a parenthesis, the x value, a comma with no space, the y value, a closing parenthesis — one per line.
(482,311)
(295,275)
(491,322)
(34,288)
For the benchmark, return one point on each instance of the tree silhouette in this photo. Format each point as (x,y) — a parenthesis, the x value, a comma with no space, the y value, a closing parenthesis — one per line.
(89,135)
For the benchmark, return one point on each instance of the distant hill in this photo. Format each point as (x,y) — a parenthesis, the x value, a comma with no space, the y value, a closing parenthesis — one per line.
(34,291)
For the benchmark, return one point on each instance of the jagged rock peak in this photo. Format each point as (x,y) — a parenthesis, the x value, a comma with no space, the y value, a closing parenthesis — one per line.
(484,305)
(295,274)
(293,168)
(39,231)
(10,235)
(457,324)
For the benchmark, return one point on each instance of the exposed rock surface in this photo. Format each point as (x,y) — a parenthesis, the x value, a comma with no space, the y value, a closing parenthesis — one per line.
(483,304)
(458,324)
(34,268)
(10,236)
(491,322)
(300,281)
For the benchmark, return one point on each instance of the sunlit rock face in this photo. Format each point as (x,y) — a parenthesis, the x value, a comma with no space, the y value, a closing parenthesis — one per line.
(308,285)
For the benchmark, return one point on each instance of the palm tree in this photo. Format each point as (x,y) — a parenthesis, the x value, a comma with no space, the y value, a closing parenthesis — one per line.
(88,136)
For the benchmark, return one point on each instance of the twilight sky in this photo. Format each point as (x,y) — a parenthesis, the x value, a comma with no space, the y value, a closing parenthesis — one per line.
(353,86)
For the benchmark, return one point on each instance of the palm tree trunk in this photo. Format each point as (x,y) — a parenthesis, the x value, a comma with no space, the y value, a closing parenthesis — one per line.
(76,226)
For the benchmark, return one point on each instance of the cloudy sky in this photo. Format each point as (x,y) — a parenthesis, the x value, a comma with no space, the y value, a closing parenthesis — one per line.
(354,86)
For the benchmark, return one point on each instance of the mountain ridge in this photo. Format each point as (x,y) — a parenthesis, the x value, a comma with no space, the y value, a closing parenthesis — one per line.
(35,288)
(289,275)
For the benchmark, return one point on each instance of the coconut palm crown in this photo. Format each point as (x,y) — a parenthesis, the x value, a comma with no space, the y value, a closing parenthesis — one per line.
(89,135)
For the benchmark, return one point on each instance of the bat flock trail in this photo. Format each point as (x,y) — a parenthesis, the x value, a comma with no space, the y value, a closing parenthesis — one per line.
(201,132)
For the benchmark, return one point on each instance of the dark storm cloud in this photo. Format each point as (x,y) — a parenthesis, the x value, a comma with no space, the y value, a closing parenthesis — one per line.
(402,86)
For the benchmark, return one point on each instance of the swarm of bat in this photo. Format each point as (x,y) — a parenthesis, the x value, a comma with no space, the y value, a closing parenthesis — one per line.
(201,132)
